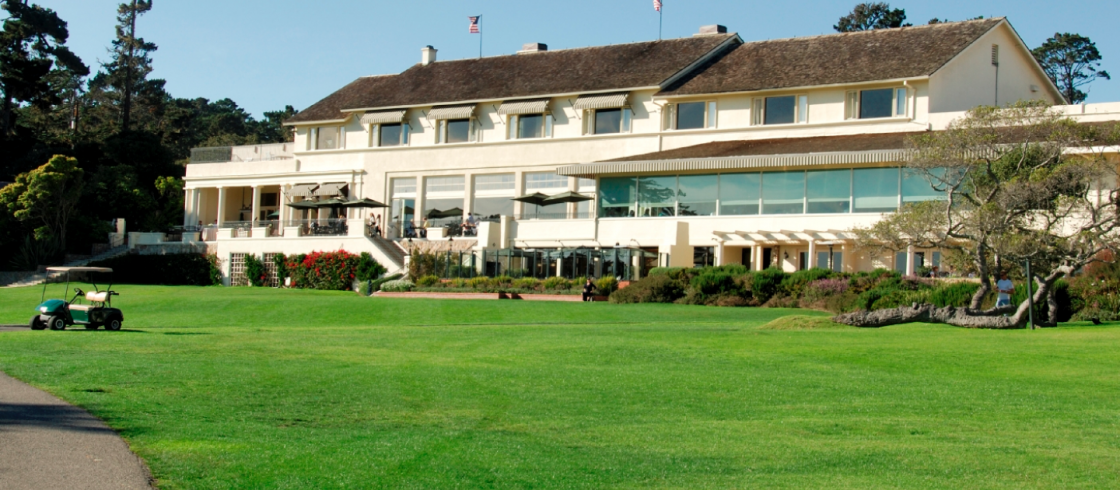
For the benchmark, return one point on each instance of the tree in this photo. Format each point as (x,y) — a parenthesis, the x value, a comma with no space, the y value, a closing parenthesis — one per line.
(1019,183)
(1071,61)
(48,197)
(869,16)
(32,45)
(127,73)
(271,129)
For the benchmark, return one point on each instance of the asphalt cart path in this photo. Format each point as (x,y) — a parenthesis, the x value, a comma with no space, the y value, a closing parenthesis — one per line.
(46,443)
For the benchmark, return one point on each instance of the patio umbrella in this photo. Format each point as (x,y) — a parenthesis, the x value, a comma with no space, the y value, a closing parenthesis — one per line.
(274,214)
(535,198)
(567,197)
(450,213)
(363,203)
(303,205)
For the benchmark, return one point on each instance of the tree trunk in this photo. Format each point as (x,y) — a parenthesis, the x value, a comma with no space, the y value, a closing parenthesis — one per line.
(6,115)
(126,104)
(985,279)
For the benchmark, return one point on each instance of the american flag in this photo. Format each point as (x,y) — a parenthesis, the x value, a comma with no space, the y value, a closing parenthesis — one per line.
(657,5)
(474,24)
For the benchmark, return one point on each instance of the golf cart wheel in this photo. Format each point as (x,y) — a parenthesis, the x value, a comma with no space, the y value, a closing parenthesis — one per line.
(56,323)
(113,325)
(37,323)
(92,326)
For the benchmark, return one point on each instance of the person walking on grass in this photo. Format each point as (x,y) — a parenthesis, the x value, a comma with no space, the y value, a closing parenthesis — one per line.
(1006,288)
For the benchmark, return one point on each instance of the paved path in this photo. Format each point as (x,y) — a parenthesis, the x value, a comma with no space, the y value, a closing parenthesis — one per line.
(46,443)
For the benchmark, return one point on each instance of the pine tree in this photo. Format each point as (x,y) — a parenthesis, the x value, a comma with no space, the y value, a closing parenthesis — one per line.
(126,74)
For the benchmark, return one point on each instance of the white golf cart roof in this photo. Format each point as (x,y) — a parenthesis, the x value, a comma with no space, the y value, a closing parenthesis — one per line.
(79,269)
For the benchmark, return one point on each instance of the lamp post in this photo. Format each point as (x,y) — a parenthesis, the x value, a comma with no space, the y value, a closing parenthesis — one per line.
(1030,295)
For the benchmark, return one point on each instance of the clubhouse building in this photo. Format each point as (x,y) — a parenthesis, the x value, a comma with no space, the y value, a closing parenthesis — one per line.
(610,160)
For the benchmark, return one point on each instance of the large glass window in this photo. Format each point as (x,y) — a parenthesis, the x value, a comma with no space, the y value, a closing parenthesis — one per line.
(697,194)
(608,121)
(458,131)
(783,193)
(876,103)
(780,110)
(828,191)
(492,208)
(530,126)
(690,115)
(875,190)
(552,211)
(617,197)
(657,196)
(390,135)
(917,186)
(328,138)
(739,194)
(499,182)
(545,182)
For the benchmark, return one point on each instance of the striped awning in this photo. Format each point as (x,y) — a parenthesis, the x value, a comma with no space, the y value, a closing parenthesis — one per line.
(331,189)
(452,112)
(589,170)
(602,101)
(539,106)
(303,190)
(383,117)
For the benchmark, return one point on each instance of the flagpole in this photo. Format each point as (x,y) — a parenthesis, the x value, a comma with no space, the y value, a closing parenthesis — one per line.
(660,20)
(480,37)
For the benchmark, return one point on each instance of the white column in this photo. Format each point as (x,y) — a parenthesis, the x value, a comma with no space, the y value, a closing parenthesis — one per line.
(282,200)
(418,213)
(910,260)
(256,205)
(188,204)
(221,205)
(756,257)
(812,255)
(196,207)
(468,199)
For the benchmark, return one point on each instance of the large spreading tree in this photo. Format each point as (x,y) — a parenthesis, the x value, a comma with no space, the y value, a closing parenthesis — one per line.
(870,16)
(1021,183)
(1071,61)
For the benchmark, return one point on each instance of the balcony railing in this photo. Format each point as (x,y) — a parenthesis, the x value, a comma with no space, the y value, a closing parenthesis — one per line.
(319,227)
(248,153)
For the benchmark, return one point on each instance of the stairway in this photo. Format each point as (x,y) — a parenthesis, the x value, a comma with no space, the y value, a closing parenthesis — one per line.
(40,278)
(392,250)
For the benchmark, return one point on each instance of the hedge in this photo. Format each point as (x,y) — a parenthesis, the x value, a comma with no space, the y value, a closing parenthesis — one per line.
(164,270)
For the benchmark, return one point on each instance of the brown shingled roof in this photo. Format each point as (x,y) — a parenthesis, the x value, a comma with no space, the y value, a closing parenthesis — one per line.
(781,146)
(621,66)
(885,54)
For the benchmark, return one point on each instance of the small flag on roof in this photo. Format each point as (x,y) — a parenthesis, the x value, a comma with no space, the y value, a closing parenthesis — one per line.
(657,5)
(474,24)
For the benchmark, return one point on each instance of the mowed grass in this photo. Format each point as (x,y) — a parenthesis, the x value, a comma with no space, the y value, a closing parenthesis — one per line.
(259,388)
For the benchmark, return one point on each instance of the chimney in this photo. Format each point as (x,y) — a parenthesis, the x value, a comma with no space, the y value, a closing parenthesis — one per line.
(533,48)
(428,55)
(712,30)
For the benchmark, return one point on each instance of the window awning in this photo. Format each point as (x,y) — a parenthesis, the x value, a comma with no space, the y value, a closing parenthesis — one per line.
(539,106)
(303,190)
(330,189)
(452,112)
(602,101)
(383,117)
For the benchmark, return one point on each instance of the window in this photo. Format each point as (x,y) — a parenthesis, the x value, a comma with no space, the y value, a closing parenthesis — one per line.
(404,186)
(457,130)
(691,115)
(392,134)
(545,181)
(875,190)
(500,182)
(876,104)
(657,196)
(612,121)
(492,208)
(783,193)
(697,194)
(918,187)
(780,110)
(739,194)
(803,109)
(443,199)
(617,197)
(326,138)
(530,126)
(829,191)
(270,199)
(444,184)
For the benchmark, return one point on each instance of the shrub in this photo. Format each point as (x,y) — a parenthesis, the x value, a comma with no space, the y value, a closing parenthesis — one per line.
(527,283)
(165,270)
(480,282)
(794,284)
(398,286)
(733,269)
(325,271)
(428,281)
(365,288)
(368,268)
(729,300)
(503,281)
(767,283)
(606,286)
(557,284)
(254,271)
(280,262)
(462,271)
(958,294)
(713,283)
(653,289)
(457,283)
(664,271)
(822,289)
(517,273)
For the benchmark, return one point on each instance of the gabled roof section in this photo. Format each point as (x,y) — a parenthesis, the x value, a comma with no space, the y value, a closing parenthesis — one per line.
(568,71)
(885,54)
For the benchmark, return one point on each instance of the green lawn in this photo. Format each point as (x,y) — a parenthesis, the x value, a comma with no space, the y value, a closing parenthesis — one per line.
(258,388)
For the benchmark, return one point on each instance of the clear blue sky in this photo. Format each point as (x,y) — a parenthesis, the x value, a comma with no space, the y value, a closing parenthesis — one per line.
(265,54)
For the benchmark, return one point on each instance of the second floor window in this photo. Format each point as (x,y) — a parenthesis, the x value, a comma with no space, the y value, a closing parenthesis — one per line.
(326,138)
(876,104)
(528,126)
(392,134)
(612,121)
(458,131)
(693,115)
(789,109)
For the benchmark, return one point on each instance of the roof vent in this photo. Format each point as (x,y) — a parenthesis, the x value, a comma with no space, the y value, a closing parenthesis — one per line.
(712,30)
(533,48)
(428,55)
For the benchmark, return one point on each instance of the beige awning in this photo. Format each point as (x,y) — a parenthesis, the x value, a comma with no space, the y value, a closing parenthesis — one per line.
(539,106)
(602,101)
(383,117)
(453,112)
(303,190)
(330,189)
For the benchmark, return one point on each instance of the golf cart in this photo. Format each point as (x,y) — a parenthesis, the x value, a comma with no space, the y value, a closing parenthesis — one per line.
(93,309)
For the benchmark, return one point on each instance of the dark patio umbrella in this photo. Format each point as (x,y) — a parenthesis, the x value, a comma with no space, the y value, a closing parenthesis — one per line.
(273,215)
(567,197)
(535,198)
(450,213)
(331,203)
(303,205)
(363,203)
